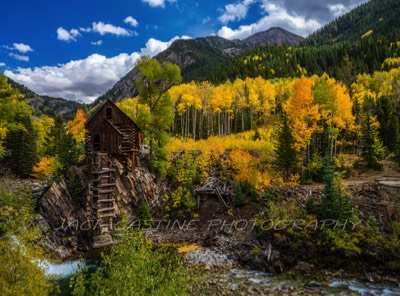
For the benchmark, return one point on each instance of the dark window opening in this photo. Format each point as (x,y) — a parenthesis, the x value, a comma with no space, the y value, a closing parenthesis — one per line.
(108,113)
(96,143)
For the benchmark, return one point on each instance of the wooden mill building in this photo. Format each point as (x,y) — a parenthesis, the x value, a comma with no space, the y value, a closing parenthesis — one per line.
(110,134)
(111,131)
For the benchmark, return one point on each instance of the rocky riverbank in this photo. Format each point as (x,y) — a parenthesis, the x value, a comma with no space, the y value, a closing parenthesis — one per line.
(230,237)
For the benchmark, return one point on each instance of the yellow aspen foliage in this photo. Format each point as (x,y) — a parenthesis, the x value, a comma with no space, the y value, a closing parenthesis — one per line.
(129,107)
(368,33)
(343,117)
(361,89)
(252,95)
(303,114)
(391,62)
(239,93)
(205,90)
(45,168)
(221,98)
(382,84)
(205,162)
(262,180)
(185,95)
(42,126)
(3,133)
(266,94)
(217,145)
(241,162)
(77,126)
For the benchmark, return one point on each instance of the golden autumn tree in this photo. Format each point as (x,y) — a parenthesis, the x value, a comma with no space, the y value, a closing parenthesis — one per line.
(76,128)
(302,112)
(42,125)
(187,104)
(240,102)
(46,168)
(252,98)
(221,104)
(205,91)
(336,112)
(245,169)
(262,97)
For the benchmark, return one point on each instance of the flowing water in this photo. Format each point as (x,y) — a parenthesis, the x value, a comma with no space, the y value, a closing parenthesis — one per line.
(259,283)
(65,270)
(240,282)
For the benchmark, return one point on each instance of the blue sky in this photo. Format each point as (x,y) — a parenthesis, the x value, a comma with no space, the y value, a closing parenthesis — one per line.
(79,49)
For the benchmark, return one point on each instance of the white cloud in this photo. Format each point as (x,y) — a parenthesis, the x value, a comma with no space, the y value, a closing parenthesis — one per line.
(74,32)
(19,57)
(23,48)
(97,43)
(2,64)
(103,29)
(84,79)
(233,12)
(298,16)
(64,35)
(337,9)
(85,30)
(130,20)
(278,17)
(154,46)
(158,3)
(155,3)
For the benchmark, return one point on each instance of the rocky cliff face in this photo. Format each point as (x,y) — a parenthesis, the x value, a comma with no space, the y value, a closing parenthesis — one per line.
(65,210)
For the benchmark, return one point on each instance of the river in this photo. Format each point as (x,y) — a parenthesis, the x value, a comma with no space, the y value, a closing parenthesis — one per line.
(238,281)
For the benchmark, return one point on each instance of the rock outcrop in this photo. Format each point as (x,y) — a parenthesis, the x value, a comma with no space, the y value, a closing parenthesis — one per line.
(65,208)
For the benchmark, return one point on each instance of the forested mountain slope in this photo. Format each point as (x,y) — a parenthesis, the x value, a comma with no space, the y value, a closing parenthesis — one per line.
(378,18)
(364,56)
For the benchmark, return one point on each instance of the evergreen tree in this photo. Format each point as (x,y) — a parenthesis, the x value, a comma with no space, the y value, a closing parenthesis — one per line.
(17,135)
(21,148)
(336,204)
(346,72)
(239,198)
(60,144)
(372,146)
(286,154)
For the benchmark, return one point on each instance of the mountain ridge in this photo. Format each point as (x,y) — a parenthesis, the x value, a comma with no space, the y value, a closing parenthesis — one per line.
(46,105)
(198,56)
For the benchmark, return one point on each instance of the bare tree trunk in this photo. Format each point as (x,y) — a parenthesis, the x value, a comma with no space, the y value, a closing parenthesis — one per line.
(182,127)
(219,124)
(194,123)
(212,123)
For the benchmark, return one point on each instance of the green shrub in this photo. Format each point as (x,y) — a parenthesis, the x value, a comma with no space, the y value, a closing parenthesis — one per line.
(144,214)
(134,267)
(255,251)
